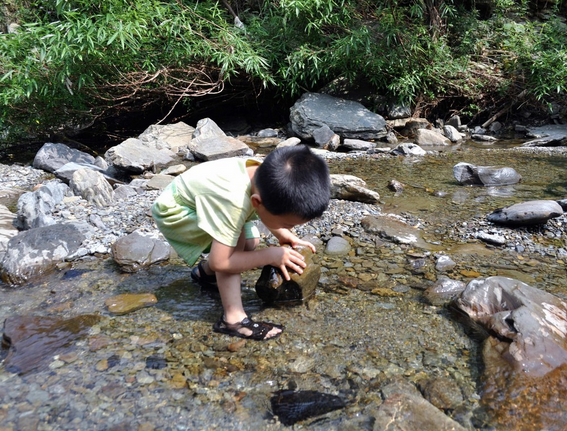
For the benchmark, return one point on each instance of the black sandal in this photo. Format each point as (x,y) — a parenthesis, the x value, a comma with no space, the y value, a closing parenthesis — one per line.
(259,329)
(200,277)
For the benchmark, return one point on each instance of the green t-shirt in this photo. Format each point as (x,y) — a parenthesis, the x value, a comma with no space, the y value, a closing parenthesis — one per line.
(219,193)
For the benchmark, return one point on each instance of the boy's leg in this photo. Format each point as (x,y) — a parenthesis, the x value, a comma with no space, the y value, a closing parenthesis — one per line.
(230,291)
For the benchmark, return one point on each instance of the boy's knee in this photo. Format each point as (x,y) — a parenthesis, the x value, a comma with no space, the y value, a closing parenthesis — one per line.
(251,244)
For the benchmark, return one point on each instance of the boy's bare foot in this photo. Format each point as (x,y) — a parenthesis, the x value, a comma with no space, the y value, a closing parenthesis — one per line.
(248,328)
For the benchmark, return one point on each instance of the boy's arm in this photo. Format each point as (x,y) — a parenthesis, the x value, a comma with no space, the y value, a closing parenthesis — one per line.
(223,258)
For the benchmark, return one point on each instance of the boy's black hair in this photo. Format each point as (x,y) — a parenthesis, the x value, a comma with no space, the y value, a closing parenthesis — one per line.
(294,180)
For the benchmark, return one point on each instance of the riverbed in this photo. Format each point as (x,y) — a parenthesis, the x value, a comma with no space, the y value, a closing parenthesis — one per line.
(162,368)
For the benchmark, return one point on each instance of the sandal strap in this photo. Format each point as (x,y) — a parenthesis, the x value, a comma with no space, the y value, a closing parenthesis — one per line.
(203,276)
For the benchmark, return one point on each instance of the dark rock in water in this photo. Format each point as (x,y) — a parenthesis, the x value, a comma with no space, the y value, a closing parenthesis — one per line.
(272,286)
(526,213)
(294,406)
(155,362)
(33,339)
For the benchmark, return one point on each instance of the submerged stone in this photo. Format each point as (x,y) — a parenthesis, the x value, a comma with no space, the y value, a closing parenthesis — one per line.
(293,406)
(272,286)
(129,302)
(35,339)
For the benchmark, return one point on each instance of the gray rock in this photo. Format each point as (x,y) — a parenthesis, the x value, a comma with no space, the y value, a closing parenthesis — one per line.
(218,148)
(408,149)
(66,171)
(159,182)
(425,137)
(351,188)
(454,121)
(92,186)
(272,287)
(138,250)
(526,213)
(35,208)
(290,142)
(550,135)
(51,157)
(358,145)
(337,246)
(171,136)
(37,251)
(323,136)
(135,156)
(7,229)
(124,191)
(452,133)
(468,175)
(491,238)
(206,129)
(346,118)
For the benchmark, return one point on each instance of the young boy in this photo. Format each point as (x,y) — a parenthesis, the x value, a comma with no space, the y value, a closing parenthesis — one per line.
(210,208)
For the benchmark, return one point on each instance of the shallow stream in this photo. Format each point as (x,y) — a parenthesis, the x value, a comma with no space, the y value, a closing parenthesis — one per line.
(162,368)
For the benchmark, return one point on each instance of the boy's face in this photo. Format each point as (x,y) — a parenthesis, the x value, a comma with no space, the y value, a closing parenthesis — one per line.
(272,221)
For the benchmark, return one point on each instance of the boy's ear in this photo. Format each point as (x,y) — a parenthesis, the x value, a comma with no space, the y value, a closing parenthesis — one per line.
(256,200)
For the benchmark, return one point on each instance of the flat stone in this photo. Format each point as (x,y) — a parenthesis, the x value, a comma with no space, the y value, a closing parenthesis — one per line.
(129,302)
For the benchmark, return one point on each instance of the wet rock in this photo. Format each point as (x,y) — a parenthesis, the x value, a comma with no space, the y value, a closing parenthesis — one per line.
(294,406)
(531,324)
(51,157)
(549,135)
(444,263)
(35,339)
(346,118)
(392,229)
(351,188)
(138,250)
(337,246)
(443,290)
(272,287)
(37,251)
(526,213)
(92,186)
(442,392)
(408,410)
(470,175)
(129,302)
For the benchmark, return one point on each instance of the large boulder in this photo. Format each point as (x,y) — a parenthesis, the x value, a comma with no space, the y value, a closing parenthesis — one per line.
(169,136)
(138,250)
(37,251)
(51,157)
(211,143)
(346,118)
(136,156)
(525,354)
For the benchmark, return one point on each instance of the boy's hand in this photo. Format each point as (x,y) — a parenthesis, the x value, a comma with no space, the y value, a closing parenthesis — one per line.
(285,236)
(284,258)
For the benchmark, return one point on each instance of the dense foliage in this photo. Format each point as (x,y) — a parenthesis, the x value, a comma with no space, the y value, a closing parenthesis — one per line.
(73,61)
